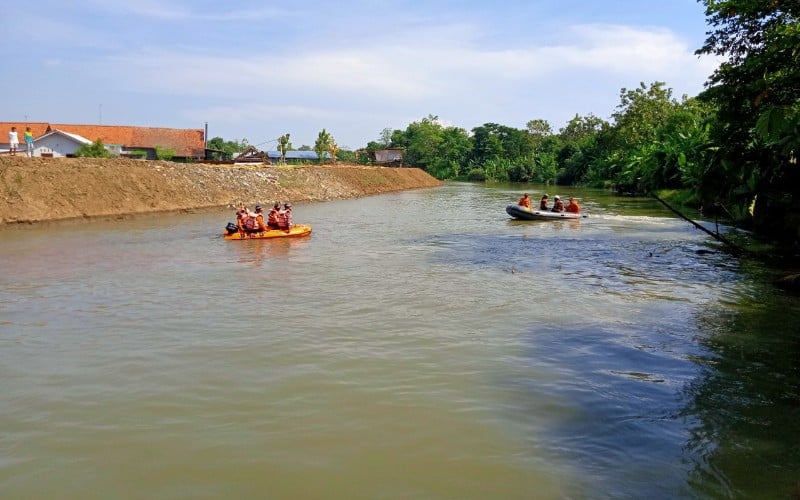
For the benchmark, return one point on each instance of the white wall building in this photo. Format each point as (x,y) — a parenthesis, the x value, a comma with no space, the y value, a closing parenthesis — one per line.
(56,144)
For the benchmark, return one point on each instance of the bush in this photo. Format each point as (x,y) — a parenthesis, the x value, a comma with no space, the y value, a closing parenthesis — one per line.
(164,153)
(476,174)
(93,150)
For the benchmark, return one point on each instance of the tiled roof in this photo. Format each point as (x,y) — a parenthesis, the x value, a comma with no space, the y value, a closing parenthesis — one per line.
(185,142)
(38,129)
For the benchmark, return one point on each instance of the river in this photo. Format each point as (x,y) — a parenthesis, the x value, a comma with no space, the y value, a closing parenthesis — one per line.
(417,345)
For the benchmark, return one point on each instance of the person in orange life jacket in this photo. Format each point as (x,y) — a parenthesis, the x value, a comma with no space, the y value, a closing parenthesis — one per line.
(246,220)
(573,206)
(543,203)
(260,218)
(272,217)
(525,201)
(241,217)
(285,217)
(558,205)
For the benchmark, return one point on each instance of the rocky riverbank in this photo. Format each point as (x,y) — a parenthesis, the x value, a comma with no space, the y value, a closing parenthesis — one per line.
(39,189)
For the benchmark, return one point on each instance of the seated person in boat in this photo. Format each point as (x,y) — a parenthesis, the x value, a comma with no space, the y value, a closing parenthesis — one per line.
(573,206)
(272,217)
(285,217)
(241,216)
(525,201)
(248,222)
(543,203)
(558,205)
(260,219)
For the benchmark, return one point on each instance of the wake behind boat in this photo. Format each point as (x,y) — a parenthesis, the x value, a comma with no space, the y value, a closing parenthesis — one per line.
(522,213)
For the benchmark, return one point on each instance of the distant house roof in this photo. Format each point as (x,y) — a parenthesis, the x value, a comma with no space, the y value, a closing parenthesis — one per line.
(185,142)
(297,155)
(74,137)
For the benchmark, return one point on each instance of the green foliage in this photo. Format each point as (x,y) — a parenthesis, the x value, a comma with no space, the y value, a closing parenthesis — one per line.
(386,137)
(284,145)
(476,174)
(756,93)
(227,148)
(93,150)
(421,140)
(164,153)
(322,144)
(137,153)
(346,156)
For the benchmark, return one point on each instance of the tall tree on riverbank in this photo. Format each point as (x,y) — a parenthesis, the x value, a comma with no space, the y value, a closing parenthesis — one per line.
(322,144)
(757,92)
(283,146)
(325,143)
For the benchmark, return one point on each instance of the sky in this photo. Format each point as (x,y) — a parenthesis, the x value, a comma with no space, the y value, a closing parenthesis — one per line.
(255,70)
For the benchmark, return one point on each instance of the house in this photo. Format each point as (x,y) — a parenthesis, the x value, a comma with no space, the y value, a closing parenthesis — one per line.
(390,156)
(123,140)
(58,143)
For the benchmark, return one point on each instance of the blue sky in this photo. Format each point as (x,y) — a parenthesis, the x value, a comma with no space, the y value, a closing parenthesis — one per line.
(255,69)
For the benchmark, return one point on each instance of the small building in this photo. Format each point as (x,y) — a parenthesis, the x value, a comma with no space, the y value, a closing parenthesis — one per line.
(58,144)
(296,157)
(389,157)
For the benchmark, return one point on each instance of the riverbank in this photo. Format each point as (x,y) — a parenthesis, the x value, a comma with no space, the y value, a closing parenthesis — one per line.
(44,189)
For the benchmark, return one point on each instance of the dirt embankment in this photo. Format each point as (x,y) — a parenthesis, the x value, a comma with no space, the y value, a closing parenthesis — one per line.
(37,189)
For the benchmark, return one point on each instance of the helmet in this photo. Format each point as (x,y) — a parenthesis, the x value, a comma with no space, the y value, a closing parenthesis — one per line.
(287,205)
(277,205)
(558,197)
(258,207)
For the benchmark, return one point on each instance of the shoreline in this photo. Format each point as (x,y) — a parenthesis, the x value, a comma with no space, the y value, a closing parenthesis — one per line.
(36,190)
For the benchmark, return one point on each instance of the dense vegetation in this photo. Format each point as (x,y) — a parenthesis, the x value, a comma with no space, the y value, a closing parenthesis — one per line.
(732,149)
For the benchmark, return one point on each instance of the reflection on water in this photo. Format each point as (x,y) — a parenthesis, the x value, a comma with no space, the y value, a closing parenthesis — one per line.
(418,344)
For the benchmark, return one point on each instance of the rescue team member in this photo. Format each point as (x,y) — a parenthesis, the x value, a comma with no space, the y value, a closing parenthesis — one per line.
(558,205)
(260,218)
(285,217)
(272,217)
(241,217)
(543,203)
(525,201)
(573,206)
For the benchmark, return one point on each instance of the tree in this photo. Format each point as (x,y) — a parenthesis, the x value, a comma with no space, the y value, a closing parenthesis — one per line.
(421,140)
(386,137)
(454,151)
(333,149)
(629,154)
(578,151)
(93,150)
(228,148)
(538,130)
(757,94)
(322,144)
(283,146)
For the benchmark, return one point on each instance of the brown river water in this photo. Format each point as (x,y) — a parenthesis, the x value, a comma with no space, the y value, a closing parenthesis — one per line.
(417,345)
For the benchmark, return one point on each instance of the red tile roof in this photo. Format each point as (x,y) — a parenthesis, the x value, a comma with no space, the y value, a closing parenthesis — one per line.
(185,142)
(38,129)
